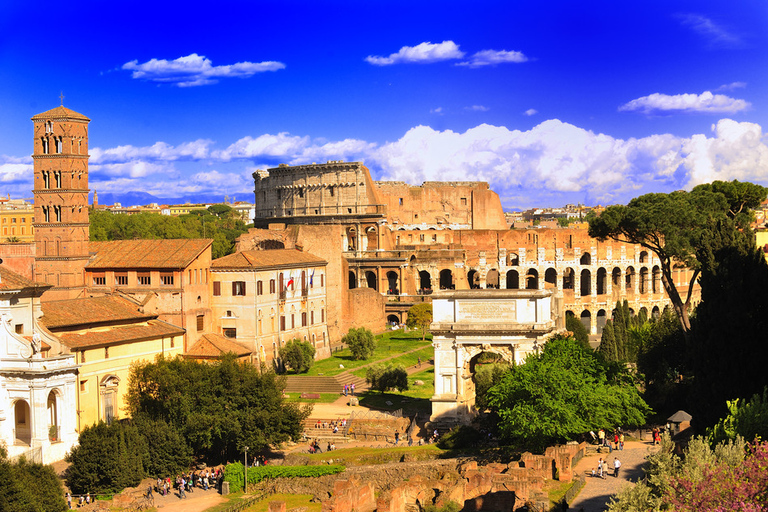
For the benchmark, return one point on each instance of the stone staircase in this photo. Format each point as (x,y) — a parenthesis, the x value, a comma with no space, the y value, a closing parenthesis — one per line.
(311,384)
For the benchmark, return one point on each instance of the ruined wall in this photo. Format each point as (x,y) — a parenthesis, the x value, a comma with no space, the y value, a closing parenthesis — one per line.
(365,308)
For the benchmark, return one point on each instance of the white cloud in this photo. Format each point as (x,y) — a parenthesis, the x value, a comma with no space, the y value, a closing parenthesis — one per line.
(421,53)
(438,110)
(732,86)
(716,35)
(133,169)
(477,108)
(531,112)
(263,145)
(705,102)
(493,57)
(194,70)
(195,150)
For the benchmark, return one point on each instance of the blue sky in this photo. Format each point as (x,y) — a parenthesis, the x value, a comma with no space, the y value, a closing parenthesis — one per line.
(550,102)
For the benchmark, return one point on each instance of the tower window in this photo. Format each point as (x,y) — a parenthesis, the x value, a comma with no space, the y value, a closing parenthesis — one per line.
(46,214)
(46,179)
(48,127)
(59,145)
(45,145)
(57,211)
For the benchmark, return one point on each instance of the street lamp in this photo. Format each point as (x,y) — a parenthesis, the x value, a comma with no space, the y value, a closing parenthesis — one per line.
(245,487)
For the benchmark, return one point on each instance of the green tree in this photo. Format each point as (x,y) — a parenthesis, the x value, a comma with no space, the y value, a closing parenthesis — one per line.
(746,418)
(420,315)
(299,355)
(384,378)
(674,225)
(486,376)
(166,453)
(563,392)
(360,342)
(221,210)
(575,326)
(28,486)
(107,459)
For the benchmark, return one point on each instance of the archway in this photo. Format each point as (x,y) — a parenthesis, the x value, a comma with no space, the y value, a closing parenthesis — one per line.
(568,280)
(616,278)
(446,279)
(351,239)
(586,259)
(630,279)
(392,279)
(513,280)
(550,278)
(352,280)
(655,279)
(372,239)
(655,313)
(600,321)
(393,320)
(643,256)
(513,259)
(644,280)
(532,279)
(22,422)
(473,278)
(370,280)
(486,369)
(425,281)
(602,279)
(54,433)
(586,320)
(492,279)
(586,282)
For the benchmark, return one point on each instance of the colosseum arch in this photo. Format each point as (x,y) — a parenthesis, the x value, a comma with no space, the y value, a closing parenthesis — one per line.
(643,256)
(656,279)
(568,279)
(446,279)
(532,279)
(352,280)
(643,288)
(586,320)
(492,279)
(425,280)
(370,279)
(602,280)
(393,279)
(630,279)
(600,320)
(586,259)
(513,280)
(550,278)
(473,278)
(586,282)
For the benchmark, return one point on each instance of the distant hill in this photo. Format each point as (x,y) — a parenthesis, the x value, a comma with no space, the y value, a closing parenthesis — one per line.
(143,198)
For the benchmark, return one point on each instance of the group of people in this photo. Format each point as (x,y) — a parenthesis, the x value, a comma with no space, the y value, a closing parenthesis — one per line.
(349,389)
(188,482)
(314,447)
(656,436)
(335,424)
(82,500)
(603,468)
(604,439)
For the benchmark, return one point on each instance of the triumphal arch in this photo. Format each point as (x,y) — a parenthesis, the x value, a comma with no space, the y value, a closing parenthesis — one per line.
(466,323)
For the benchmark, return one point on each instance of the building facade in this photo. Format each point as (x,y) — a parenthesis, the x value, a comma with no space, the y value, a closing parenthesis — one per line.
(263,299)
(60,159)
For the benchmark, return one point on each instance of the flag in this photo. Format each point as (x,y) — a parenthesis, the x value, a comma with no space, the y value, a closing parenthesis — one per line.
(290,282)
(311,278)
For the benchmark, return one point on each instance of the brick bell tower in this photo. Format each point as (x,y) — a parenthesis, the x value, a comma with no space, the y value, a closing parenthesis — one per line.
(61,201)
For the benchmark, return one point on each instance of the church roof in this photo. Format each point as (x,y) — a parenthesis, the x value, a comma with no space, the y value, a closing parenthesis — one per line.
(61,112)
(10,280)
(211,346)
(271,258)
(116,335)
(161,254)
(89,312)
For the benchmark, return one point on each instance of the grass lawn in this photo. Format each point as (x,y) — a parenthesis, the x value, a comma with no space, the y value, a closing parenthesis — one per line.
(426,353)
(388,344)
(325,398)
(292,501)
(416,399)
(360,456)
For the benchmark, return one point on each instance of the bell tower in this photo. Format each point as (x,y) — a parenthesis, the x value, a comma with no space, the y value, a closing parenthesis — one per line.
(61,201)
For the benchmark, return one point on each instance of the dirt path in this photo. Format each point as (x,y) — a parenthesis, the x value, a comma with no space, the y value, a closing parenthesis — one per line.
(597,492)
(196,501)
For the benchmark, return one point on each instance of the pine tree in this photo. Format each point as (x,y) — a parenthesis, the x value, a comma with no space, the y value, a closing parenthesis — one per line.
(608,342)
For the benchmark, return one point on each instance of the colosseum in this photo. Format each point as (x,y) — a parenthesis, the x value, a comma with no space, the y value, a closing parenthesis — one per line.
(403,242)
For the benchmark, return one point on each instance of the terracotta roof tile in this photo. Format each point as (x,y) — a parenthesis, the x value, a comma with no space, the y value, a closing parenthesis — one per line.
(162,254)
(61,112)
(273,258)
(214,345)
(120,334)
(10,280)
(74,313)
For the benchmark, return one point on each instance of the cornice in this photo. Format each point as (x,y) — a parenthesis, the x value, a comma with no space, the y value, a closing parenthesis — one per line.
(60,224)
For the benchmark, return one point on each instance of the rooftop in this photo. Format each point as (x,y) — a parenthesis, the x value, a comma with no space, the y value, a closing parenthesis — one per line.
(76,313)
(152,329)
(273,258)
(10,280)
(211,346)
(61,112)
(162,254)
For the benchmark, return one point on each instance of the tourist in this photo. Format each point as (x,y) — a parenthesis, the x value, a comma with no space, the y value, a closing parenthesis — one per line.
(616,441)
(616,466)
(621,441)
(69,500)
(397,437)
(601,437)
(181,483)
(600,468)
(353,389)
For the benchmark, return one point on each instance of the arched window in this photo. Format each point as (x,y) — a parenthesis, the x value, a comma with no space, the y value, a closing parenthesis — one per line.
(513,280)
(446,279)
(108,390)
(586,259)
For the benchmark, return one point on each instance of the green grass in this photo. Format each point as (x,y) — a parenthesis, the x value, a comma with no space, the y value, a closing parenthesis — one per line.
(325,398)
(388,344)
(410,359)
(292,501)
(409,405)
(361,456)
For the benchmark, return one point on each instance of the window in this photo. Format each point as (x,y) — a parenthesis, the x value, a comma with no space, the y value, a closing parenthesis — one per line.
(259,288)
(271,286)
(321,280)
(401,201)
(322,315)
(82,356)
(311,318)
(57,211)
(48,127)
(463,201)
(46,214)
(144,278)
(230,332)
(59,145)
(217,288)
(45,145)
(57,177)
(121,279)
(83,385)
(303,319)
(331,191)
(201,322)
(99,279)
(106,352)
(293,321)
(238,288)
(19,328)
(282,323)
(13,220)
(23,220)
(166,279)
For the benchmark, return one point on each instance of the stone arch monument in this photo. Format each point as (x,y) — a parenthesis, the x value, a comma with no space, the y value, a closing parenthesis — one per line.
(510,323)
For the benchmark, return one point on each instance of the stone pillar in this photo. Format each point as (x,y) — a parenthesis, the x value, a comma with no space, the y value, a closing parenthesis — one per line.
(576,283)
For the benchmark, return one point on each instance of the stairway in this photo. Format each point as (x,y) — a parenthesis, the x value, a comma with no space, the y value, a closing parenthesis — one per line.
(308,384)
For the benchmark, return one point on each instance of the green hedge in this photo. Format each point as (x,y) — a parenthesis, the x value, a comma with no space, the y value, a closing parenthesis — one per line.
(233,473)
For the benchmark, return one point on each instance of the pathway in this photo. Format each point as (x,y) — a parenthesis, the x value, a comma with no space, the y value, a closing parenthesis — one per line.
(597,492)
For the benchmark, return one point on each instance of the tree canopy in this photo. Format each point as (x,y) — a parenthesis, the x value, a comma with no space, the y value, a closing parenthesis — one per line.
(561,393)
(28,486)
(298,355)
(677,227)
(360,342)
(218,407)
(217,222)
(420,315)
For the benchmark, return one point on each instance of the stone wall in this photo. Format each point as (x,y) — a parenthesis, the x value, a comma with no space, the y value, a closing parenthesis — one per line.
(365,308)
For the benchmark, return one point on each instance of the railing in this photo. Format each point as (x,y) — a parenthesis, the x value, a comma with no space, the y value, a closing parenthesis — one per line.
(309,211)
(32,455)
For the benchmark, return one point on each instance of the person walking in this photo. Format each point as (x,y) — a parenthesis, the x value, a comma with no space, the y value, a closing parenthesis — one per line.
(616,466)
(600,468)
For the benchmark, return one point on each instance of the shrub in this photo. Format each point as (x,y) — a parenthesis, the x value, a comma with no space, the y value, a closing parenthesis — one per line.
(299,355)
(233,473)
(459,438)
(383,378)
(360,342)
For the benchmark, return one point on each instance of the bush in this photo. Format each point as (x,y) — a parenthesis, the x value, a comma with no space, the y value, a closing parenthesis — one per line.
(233,473)
(29,486)
(360,342)
(299,355)
(460,438)
(383,378)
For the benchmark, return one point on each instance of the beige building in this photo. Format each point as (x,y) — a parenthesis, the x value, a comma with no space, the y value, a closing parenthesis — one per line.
(107,335)
(262,299)
(170,278)
(16,222)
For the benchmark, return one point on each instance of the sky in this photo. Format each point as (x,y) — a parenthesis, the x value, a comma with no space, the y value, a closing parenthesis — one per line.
(549,102)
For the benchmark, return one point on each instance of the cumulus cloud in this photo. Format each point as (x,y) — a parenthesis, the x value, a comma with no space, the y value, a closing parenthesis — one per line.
(263,145)
(493,57)
(194,70)
(531,112)
(477,108)
(705,102)
(195,150)
(715,34)
(421,53)
(132,169)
